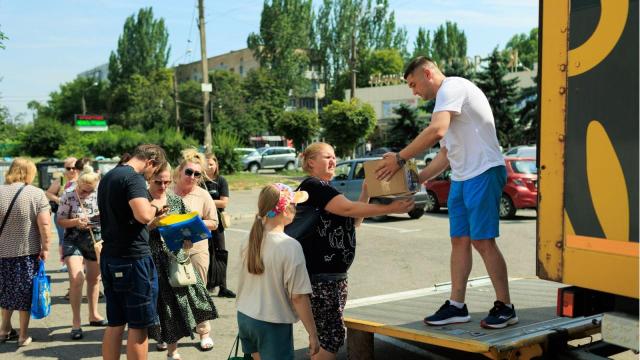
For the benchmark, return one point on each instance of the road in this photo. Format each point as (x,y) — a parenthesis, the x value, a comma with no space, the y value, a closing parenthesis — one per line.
(395,255)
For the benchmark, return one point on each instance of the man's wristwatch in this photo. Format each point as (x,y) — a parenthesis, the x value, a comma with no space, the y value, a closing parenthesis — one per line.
(400,161)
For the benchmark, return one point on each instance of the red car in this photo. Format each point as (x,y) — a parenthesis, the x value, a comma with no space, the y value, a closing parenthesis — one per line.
(520,191)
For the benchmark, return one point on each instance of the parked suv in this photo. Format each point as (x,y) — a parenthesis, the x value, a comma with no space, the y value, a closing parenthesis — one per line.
(520,191)
(348,180)
(274,157)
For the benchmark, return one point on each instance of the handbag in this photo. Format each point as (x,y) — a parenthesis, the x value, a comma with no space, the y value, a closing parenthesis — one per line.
(304,224)
(181,272)
(225,219)
(234,351)
(41,295)
(218,268)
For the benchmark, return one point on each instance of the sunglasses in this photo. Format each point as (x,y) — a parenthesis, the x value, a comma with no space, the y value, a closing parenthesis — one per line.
(191,172)
(69,168)
(160,182)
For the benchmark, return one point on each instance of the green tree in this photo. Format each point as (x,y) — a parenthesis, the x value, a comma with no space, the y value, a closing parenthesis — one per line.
(298,125)
(142,48)
(406,127)
(281,45)
(377,62)
(526,46)
(527,125)
(190,95)
(45,135)
(143,102)
(422,44)
(347,122)
(2,38)
(67,101)
(449,43)
(229,106)
(265,100)
(502,95)
(374,28)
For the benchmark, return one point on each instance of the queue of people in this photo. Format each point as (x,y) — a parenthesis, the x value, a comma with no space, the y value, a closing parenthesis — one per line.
(282,279)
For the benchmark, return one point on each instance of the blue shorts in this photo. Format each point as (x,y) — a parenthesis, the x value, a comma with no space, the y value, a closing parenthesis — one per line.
(131,291)
(474,205)
(272,341)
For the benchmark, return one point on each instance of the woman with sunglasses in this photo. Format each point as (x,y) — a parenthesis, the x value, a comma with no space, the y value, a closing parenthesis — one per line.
(78,214)
(59,185)
(218,188)
(180,309)
(189,176)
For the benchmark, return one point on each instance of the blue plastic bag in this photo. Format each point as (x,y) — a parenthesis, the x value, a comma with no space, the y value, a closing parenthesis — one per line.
(41,296)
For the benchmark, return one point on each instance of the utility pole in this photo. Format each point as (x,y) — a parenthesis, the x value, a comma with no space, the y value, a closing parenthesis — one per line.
(176,100)
(205,77)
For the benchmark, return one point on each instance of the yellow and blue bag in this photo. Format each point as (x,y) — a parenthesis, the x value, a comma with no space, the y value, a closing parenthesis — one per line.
(176,228)
(41,296)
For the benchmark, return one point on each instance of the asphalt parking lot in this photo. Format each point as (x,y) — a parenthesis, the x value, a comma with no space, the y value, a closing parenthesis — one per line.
(395,255)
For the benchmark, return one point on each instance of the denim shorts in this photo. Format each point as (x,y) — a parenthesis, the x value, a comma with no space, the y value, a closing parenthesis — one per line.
(272,341)
(79,248)
(131,291)
(474,205)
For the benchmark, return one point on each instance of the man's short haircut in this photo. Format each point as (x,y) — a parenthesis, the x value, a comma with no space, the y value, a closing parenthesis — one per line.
(150,152)
(416,63)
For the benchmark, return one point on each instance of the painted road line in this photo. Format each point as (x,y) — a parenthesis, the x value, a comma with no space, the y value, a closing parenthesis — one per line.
(237,230)
(399,230)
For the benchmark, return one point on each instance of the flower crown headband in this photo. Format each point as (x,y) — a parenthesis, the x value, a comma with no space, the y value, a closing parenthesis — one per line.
(287,196)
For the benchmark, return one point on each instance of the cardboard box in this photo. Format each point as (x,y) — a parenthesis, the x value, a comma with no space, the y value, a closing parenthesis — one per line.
(402,183)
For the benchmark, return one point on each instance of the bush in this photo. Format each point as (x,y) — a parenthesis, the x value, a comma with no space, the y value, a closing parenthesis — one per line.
(224,144)
(172,142)
(45,136)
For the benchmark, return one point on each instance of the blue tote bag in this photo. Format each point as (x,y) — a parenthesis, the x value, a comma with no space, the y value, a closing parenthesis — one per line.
(41,296)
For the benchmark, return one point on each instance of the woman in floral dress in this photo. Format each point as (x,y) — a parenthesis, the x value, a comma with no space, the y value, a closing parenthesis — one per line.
(181,308)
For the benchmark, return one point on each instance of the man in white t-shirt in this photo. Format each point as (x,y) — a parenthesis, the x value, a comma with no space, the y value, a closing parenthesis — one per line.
(463,123)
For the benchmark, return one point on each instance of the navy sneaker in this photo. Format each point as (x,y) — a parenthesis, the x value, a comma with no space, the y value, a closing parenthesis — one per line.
(448,314)
(500,316)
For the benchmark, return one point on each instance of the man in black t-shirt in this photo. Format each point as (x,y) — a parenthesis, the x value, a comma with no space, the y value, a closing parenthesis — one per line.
(128,274)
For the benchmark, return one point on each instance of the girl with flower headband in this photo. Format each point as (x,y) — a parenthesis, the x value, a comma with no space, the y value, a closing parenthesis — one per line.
(274,287)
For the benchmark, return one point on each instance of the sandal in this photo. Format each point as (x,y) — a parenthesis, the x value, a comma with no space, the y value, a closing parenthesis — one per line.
(174,356)
(25,342)
(206,343)
(12,335)
(161,346)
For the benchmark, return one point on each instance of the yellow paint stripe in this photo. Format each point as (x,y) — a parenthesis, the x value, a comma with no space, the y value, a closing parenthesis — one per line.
(607,185)
(613,17)
(606,246)
(425,337)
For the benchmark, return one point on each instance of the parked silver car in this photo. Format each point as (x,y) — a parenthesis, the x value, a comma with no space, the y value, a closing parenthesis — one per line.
(348,180)
(274,157)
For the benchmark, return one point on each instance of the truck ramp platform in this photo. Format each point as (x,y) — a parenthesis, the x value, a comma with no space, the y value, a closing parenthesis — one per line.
(402,316)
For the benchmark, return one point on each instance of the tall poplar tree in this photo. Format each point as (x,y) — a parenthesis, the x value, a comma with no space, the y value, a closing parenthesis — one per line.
(283,41)
(142,47)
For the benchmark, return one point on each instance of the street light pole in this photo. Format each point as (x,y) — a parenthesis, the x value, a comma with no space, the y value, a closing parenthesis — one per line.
(353,63)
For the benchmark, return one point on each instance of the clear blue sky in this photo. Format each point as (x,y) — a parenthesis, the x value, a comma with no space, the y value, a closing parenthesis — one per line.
(50,42)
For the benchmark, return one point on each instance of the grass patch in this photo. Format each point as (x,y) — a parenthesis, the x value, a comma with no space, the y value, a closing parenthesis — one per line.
(248,181)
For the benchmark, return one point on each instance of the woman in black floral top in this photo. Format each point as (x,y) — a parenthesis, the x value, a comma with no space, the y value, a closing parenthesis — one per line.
(181,308)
